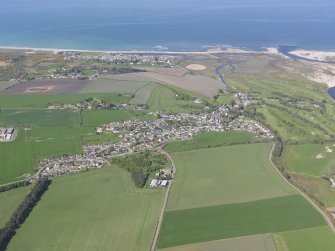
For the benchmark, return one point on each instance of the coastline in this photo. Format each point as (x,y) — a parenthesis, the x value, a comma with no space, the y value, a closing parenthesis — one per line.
(267,50)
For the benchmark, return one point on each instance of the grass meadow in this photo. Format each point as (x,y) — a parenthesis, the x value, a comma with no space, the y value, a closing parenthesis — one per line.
(320,238)
(210,139)
(16,158)
(240,219)
(96,210)
(224,175)
(9,201)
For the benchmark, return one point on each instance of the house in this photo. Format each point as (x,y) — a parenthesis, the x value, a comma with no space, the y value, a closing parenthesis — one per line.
(154,183)
(164,183)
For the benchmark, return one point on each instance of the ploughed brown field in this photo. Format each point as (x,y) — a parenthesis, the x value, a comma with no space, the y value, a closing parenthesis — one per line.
(52,86)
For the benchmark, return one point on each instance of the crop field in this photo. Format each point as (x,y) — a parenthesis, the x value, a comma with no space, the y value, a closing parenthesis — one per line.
(311,159)
(142,95)
(54,86)
(113,86)
(320,238)
(39,118)
(248,218)
(202,85)
(262,242)
(164,99)
(41,101)
(210,139)
(96,210)
(9,201)
(224,175)
(100,117)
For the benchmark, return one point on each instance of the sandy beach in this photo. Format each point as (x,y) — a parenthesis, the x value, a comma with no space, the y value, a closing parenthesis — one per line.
(270,50)
(315,55)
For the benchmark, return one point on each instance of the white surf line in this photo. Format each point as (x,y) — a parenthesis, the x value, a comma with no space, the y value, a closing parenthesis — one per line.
(167,193)
(324,215)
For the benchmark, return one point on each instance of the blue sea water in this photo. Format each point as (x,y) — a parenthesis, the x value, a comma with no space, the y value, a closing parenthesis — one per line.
(175,25)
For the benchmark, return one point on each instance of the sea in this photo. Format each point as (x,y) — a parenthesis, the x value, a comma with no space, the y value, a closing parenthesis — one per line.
(167,25)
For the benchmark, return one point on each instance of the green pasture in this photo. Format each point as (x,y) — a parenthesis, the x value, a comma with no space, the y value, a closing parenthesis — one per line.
(16,158)
(240,219)
(96,210)
(320,238)
(210,139)
(39,118)
(41,101)
(164,99)
(9,201)
(224,175)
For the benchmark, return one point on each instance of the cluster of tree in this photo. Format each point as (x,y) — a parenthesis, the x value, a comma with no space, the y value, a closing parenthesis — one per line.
(119,70)
(22,211)
(140,165)
(14,185)
(183,96)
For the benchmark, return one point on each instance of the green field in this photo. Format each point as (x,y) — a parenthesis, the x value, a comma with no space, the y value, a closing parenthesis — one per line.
(312,159)
(164,99)
(16,158)
(321,238)
(39,118)
(41,101)
(224,175)
(100,117)
(262,242)
(9,201)
(248,218)
(96,210)
(210,139)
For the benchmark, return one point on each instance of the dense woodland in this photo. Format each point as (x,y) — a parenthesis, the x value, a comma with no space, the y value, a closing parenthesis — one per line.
(140,165)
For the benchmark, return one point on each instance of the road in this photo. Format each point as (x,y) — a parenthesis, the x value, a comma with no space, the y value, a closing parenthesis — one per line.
(166,198)
(329,222)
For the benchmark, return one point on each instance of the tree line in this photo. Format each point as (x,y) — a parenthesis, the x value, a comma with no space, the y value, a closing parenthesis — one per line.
(14,185)
(22,211)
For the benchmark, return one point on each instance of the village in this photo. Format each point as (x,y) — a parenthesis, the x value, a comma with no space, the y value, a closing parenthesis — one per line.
(131,59)
(138,135)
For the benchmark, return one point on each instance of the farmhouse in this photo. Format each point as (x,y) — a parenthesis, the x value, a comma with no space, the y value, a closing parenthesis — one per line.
(6,134)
